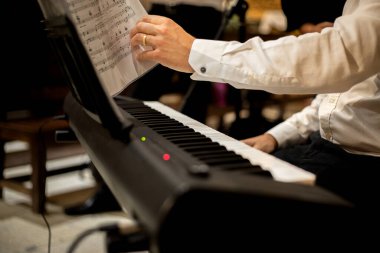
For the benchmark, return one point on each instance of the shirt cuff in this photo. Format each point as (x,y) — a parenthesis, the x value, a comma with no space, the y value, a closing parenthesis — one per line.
(285,135)
(205,58)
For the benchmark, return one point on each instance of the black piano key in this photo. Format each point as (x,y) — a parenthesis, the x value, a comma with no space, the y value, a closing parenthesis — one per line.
(197,145)
(159,122)
(192,148)
(215,155)
(203,147)
(195,139)
(235,166)
(174,130)
(185,135)
(210,152)
(141,115)
(166,129)
(167,133)
(229,160)
(153,117)
(160,126)
(259,172)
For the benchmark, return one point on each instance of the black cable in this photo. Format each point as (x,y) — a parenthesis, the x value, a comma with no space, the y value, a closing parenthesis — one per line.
(125,229)
(81,236)
(239,7)
(42,214)
(49,231)
(240,4)
(58,117)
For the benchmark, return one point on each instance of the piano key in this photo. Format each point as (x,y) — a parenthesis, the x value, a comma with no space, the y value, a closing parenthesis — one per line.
(181,134)
(195,139)
(183,131)
(223,160)
(215,154)
(195,148)
(172,130)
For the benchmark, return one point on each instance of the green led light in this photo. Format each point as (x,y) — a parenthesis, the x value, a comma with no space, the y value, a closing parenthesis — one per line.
(143,139)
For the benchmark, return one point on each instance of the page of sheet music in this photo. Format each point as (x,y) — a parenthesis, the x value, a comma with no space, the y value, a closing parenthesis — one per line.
(104,27)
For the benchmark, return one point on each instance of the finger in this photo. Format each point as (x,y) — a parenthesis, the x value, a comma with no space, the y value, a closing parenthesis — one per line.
(326,24)
(154,19)
(249,142)
(149,55)
(138,40)
(133,32)
(145,28)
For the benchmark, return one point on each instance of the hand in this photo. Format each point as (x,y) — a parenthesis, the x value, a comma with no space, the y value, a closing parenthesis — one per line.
(265,142)
(309,27)
(170,43)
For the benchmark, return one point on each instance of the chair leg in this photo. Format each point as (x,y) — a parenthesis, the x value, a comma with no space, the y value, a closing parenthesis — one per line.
(38,162)
(2,165)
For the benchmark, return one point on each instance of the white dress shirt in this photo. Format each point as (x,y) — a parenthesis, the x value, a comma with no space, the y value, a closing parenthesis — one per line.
(344,58)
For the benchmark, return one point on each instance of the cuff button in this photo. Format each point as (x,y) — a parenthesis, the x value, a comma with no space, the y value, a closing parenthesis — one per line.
(203,70)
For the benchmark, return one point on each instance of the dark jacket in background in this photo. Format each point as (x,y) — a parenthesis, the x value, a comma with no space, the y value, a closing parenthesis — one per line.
(300,12)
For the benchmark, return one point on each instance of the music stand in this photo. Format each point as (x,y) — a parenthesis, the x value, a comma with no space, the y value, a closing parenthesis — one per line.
(87,90)
(84,82)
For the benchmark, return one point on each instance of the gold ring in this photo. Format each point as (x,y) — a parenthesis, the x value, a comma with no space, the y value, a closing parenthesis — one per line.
(144,40)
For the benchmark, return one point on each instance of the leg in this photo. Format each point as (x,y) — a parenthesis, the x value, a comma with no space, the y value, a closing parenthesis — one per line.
(354,177)
(2,165)
(38,162)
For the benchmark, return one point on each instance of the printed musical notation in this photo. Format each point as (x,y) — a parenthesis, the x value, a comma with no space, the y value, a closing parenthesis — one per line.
(104,27)
(107,38)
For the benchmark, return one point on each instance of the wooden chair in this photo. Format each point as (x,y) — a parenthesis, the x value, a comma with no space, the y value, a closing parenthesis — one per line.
(39,134)
(32,92)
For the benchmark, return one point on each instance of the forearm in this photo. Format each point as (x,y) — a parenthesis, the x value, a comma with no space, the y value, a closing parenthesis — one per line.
(299,126)
(330,61)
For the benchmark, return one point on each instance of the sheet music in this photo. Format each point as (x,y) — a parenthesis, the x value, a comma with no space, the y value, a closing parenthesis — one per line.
(104,27)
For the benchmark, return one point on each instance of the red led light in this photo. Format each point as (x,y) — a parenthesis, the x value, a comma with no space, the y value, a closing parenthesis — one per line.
(166,157)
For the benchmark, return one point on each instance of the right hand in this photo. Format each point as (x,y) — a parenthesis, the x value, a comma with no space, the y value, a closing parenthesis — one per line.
(170,43)
(265,142)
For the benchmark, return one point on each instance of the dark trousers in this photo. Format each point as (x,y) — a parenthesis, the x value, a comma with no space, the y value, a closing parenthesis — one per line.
(354,177)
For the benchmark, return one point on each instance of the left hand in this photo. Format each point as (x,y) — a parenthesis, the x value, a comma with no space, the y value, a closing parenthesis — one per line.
(170,43)
(265,142)
(309,27)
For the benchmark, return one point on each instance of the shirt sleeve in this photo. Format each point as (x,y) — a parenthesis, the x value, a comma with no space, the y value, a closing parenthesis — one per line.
(330,61)
(297,128)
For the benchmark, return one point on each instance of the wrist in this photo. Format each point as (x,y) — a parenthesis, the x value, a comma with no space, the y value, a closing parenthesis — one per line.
(272,140)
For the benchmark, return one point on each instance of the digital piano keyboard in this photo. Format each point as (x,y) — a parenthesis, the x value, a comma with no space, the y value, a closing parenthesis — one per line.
(194,189)
(280,170)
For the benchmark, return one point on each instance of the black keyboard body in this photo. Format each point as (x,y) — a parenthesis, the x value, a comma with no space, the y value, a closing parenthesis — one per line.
(192,195)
